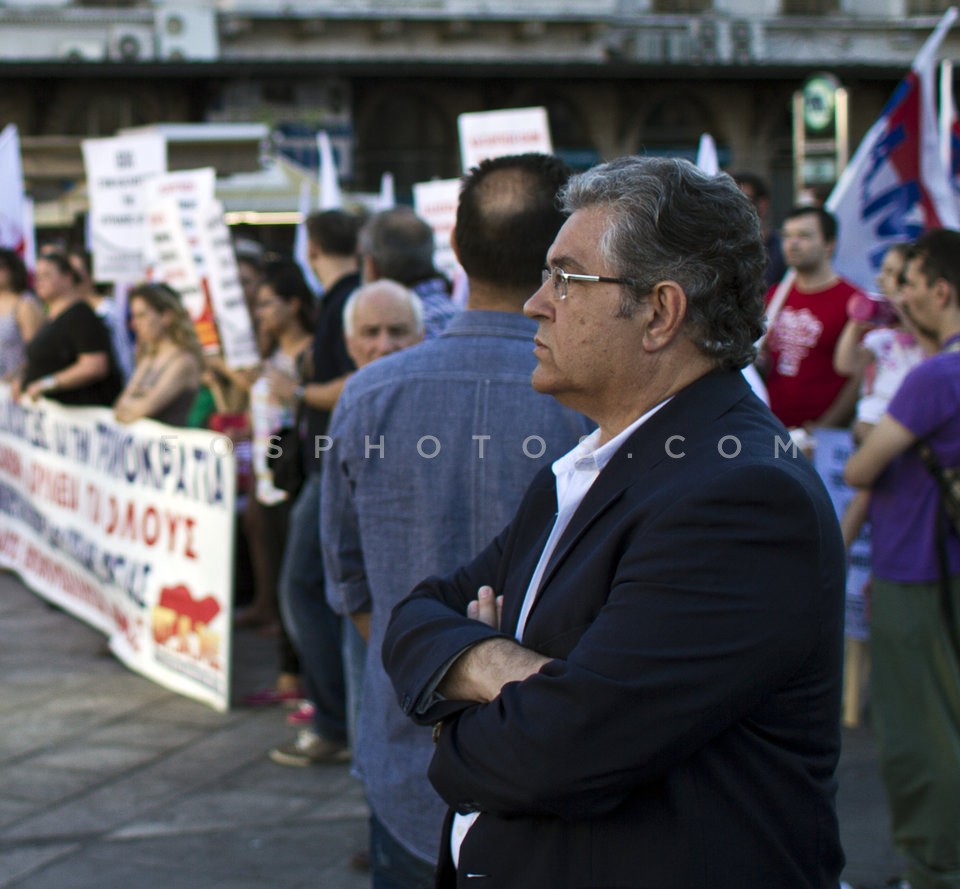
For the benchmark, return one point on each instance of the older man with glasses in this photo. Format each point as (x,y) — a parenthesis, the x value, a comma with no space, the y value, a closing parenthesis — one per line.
(637,683)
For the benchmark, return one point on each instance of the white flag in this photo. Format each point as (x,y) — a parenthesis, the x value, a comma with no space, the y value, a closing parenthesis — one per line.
(330,198)
(707,155)
(301,251)
(388,196)
(12,211)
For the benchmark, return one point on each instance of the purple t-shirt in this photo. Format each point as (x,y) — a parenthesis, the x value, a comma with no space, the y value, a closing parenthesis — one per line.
(904,502)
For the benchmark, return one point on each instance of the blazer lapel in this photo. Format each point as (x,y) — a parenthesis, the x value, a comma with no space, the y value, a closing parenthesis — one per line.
(535,523)
(691,408)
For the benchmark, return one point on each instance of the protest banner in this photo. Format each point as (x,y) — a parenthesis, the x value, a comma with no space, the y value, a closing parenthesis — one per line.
(896,187)
(486,134)
(222,278)
(435,202)
(13,233)
(173,264)
(116,169)
(130,529)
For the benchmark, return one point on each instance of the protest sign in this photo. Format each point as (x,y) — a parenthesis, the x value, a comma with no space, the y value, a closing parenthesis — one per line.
(192,190)
(130,529)
(173,264)
(486,134)
(116,171)
(435,202)
(222,278)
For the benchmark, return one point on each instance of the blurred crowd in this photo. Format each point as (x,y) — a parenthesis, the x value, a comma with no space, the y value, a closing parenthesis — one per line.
(881,365)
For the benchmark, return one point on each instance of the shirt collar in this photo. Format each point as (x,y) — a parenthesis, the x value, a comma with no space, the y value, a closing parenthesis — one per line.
(587,456)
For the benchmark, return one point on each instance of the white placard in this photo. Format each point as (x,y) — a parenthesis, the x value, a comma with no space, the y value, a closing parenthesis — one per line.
(435,202)
(192,190)
(486,134)
(173,264)
(226,293)
(130,529)
(116,170)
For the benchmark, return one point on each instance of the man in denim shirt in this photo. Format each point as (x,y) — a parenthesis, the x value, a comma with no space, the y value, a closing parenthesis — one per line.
(432,449)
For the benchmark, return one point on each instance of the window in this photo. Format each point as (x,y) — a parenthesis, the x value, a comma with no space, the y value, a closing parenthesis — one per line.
(925,7)
(669,7)
(809,7)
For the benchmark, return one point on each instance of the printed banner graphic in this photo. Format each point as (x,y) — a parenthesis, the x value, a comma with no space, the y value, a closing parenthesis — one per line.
(130,529)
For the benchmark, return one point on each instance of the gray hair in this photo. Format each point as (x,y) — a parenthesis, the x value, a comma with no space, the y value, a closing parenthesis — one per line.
(384,285)
(400,244)
(674,222)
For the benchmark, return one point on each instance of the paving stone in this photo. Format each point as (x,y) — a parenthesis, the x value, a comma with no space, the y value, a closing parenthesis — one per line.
(16,865)
(108,781)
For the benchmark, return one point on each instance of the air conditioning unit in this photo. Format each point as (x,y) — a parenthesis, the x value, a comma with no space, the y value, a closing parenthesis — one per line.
(82,50)
(131,43)
(187,34)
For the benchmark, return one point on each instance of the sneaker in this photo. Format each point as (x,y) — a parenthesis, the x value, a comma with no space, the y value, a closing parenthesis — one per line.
(310,749)
(303,715)
(360,861)
(267,697)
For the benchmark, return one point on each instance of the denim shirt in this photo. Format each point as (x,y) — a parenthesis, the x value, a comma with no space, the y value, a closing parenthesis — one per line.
(432,450)
(438,307)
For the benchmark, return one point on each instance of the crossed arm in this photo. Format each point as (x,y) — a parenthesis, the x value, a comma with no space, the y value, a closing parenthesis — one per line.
(481,672)
(637,668)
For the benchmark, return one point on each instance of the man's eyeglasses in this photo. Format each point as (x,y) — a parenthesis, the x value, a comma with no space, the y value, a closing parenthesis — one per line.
(560,280)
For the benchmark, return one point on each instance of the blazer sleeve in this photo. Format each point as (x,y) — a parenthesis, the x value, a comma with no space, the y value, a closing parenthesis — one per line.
(716,602)
(429,629)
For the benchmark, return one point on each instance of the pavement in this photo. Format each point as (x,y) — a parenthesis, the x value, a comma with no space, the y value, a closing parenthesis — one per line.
(108,780)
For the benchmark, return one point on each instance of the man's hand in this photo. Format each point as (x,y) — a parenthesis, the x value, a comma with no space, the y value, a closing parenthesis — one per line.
(482,671)
(486,608)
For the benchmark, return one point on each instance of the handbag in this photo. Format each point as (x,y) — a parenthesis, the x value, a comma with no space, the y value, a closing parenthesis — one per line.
(285,460)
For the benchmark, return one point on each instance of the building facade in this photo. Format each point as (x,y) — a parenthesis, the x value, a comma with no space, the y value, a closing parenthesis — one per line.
(387,78)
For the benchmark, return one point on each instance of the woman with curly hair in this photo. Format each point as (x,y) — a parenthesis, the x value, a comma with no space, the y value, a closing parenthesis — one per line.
(169,360)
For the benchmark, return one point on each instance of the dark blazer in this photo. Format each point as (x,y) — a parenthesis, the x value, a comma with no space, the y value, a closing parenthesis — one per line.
(687,732)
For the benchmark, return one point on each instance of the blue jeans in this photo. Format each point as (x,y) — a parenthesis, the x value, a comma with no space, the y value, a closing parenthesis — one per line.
(392,866)
(314,629)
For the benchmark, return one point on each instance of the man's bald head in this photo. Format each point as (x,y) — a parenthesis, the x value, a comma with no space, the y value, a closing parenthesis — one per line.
(381,318)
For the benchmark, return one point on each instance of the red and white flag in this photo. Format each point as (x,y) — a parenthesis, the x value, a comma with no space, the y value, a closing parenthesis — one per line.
(12,198)
(896,186)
